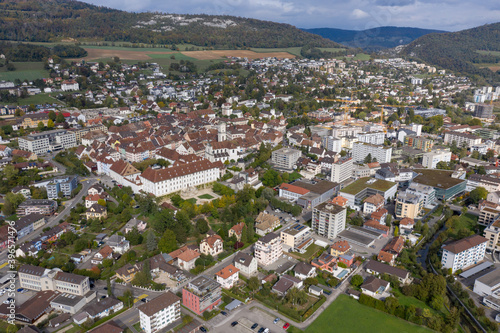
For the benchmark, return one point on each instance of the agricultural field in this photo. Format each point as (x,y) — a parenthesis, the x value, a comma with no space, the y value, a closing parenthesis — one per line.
(345,313)
(38,99)
(494,67)
(24,71)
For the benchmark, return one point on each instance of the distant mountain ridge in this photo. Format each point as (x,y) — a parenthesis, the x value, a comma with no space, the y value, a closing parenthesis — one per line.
(55,20)
(462,51)
(373,39)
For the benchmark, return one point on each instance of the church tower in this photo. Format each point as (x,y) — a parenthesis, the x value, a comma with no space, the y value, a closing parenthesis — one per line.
(222,135)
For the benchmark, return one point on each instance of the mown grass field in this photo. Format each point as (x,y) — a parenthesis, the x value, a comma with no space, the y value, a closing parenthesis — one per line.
(347,315)
(38,99)
(24,71)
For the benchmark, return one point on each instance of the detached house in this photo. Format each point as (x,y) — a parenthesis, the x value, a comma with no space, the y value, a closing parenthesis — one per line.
(212,245)
(237,230)
(118,244)
(105,253)
(227,276)
(246,264)
(126,273)
(96,211)
(304,270)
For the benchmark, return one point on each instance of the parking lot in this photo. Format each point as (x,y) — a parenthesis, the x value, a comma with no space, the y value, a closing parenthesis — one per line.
(250,317)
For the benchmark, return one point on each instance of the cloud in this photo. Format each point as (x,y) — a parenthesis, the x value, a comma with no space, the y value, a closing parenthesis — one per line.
(450,15)
(359,14)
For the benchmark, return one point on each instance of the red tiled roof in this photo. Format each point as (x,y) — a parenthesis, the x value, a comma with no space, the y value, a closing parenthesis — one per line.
(293,188)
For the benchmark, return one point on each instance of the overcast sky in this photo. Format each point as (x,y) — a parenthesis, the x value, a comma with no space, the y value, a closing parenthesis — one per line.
(449,15)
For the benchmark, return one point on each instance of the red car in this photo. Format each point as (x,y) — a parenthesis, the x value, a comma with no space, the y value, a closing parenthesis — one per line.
(285,327)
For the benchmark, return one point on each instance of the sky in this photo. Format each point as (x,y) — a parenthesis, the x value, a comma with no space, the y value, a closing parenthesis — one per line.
(448,15)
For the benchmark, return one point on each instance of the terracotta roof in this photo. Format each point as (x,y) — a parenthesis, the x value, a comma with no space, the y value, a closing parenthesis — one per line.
(106,251)
(109,327)
(227,271)
(211,240)
(188,255)
(465,244)
(376,225)
(293,188)
(339,201)
(341,246)
(377,215)
(407,221)
(385,256)
(375,199)
(238,228)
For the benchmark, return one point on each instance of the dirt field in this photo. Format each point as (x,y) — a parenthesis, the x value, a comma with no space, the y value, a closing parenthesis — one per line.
(94,54)
(494,68)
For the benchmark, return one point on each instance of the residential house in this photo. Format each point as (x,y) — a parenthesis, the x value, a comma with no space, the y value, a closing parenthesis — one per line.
(340,247)
(266,223)
(285,283)
(375,287)
(135,223)
(325,262)
(201,294)
(105,253)
(126,273)
(378,268)
(237,230)
(228,276)
(96,211)
(304,270)
(212,245)
(118,243)
(246,263)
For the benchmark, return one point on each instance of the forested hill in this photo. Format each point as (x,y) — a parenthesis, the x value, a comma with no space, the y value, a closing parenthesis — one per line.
(56,20)
(463,51)
(372,39)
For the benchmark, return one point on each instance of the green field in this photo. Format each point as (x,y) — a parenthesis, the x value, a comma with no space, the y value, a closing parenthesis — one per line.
(24,71)
(178,56)
(347,315)
(495,53)
(38,99)
(205,196)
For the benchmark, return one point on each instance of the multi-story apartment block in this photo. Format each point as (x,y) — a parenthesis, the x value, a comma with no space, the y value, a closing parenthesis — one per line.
(342,170)
(65,184)
(160,182)
(32,120)
(379,153)
(408,205)
(268,249)
(492,234)
(427,193)
(201,294)
(430,160)
(418,142)
(37,206)
(483,110)
(81,132)
(28,223)
(464,252)
(40,143)
(331,143)
(328,220)
(40,279)
(461,139)
(488,215)
(285,158)
(160,312)
(374,138)
(297,237)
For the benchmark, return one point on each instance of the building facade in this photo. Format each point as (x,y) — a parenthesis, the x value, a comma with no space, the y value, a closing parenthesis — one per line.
(268,249)
(160,312)
(360,150)
(285,158)
(202,294)
(464,253)
(328,220)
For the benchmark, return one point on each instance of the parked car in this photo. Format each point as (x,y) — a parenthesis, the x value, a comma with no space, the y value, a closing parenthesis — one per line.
(224,313)
(276,320)
(261,330)
(234,323)
(20,290)
(285,327)
(203,329)
(254,326)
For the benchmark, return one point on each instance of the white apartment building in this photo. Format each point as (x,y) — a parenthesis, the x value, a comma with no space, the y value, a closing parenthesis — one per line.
(41,279)
(268,249)
(374,138)
(430,160)
(40,143)
(285,158)
(492,234)
(297,237)
(39,146)
(328,220)
(331,143)
(461,139)
(464,252)
(342,170)
(160,182)
(160,312)
(361,149)
(427,193)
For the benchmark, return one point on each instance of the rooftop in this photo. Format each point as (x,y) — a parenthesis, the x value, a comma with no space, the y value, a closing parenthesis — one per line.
(159,303)
(436,178)
(362,183)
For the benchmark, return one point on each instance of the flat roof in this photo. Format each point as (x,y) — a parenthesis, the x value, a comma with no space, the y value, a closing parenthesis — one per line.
(356,238)
(319,187)
(491,279)
(366,231)
(362,183)
(474,270)
(436,178)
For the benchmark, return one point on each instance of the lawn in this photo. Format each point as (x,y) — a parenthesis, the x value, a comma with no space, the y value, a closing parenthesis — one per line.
(311,250)
(205,196)
(137,327)
(24,71)
(407,300)
(292,50)
(467,221)
(38,99)
(345,313)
